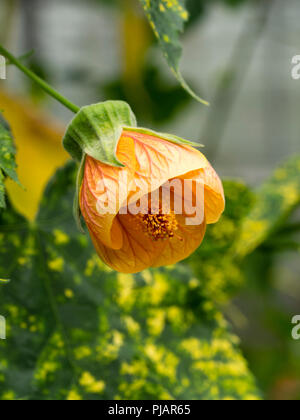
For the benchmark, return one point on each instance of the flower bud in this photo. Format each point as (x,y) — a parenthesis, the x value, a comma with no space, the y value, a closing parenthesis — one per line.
(146,197)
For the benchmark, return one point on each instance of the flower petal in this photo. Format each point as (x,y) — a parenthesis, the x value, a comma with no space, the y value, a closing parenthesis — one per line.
(214,198)
(138,250)
(159,160)
(187,240)
(99,197)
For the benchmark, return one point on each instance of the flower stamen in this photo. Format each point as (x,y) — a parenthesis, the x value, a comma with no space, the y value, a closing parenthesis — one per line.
(159,226)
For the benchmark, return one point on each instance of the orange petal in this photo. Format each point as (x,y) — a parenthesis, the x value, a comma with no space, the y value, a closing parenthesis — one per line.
(214,198)
(187,240)
(100,192)
(138,250)
(159,160)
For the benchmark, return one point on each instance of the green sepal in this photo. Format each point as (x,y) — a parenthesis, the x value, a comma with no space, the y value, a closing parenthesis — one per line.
(96,130)
(169,137)
(76,206)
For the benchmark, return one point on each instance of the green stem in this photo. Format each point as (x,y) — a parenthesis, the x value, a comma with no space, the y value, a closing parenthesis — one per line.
(47,88)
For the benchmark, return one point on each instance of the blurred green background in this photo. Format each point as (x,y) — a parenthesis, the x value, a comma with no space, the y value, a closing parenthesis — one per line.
(237,55)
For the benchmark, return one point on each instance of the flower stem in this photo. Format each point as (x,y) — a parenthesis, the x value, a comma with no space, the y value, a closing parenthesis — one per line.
(43,85)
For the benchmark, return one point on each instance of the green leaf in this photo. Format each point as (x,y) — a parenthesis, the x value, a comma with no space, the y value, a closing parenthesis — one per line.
(167,19)
(275,201)
(76,329)
(7,159)
(96,130)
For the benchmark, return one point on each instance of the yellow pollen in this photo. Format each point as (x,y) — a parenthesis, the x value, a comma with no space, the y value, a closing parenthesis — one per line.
(159,226)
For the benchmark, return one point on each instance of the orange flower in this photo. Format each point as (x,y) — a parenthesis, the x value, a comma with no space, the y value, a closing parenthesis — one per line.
(130,241)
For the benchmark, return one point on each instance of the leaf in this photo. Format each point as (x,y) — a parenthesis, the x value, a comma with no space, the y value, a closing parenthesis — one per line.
(7,159)
(77,330)
(167,18)
(275,201)
(96,130)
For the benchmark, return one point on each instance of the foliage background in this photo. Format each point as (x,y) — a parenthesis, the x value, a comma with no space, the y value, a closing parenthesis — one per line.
(237,54)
